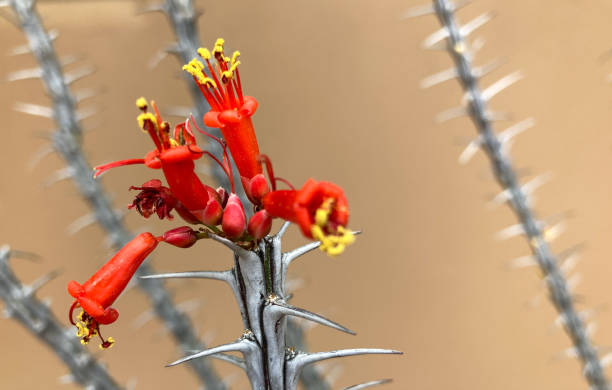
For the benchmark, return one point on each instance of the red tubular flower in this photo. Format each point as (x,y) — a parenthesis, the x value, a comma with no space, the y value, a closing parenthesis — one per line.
(99,292)
(174,155)
(231,111)
(182,237)
(319,208)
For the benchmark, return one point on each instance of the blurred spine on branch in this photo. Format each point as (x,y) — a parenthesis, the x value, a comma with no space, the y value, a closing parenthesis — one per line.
(452,36)
(22,305)
(67,142)
(183,16)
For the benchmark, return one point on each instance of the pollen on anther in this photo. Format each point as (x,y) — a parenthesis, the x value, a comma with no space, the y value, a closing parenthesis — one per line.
(204,53)
(141,103)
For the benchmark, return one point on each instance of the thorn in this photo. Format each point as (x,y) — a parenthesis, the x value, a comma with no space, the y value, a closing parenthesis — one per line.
(81,223)
(34,109)
(470,150)
(279,308)
(78,74)
(510,231)
(573,282)
(283,229)
(59,175)
(24,74)
(523,262)
(451,113)
(152,8)
(369,384)
(606,360)
(41,282)
(238,250)
(500,85)
(39,156)
(475,23)
(237,346)
(190,306)
(294,366)
(484,70)
(516,129)
(526,189)
(437,78)
(420,10)
(437,37)
(216,275)
(66,379)
(86,113)
(85,94)
(131,384)
(25,49)
(143,319)
(590,329)
(159,56)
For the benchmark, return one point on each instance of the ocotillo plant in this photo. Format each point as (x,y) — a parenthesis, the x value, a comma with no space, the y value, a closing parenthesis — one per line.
(475,104)
(257,278)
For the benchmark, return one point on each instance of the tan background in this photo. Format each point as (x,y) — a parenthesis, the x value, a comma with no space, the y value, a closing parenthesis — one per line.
(337,83)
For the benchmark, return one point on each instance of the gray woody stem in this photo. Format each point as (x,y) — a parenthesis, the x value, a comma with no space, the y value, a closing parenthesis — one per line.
(22,305)
(66,141)
(507,178)
(257,281)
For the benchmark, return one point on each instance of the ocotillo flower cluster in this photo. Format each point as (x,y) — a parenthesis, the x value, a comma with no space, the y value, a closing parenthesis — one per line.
(319,208)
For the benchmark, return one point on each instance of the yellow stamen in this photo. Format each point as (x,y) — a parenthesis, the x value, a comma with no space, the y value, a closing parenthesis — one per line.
(204,53)
(195,68)
(235,57)
(144,117)
(110,341)
(218,49)
(332,244)
(173,143)
(141,102)
(84,342)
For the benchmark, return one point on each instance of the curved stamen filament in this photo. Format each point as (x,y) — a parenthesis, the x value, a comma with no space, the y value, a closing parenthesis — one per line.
(100,169)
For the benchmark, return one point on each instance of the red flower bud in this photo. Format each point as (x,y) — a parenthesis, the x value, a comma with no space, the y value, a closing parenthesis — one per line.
(255,188)
(99,292)
(211,214)
(260,224)
(234,219)
(182,237)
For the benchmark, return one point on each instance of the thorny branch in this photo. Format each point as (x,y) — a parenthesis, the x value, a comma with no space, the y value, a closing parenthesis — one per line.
(66,141)
(22,305)
(507,178)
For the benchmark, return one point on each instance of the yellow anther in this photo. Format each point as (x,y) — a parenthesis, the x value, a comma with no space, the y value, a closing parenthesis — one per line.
(195,68)
(323,212)
(173,143)
(84,342)
(79,332)
(110,342)
(235,57)
(204,53)
(144,117)
(333,245)
(227,75)
(81,314)
(218,49)
(141,103)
